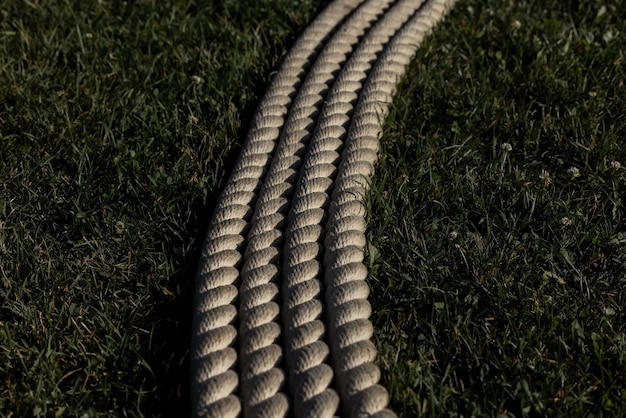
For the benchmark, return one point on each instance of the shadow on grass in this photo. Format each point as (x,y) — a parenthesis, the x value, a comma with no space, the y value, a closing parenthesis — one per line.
(169,342)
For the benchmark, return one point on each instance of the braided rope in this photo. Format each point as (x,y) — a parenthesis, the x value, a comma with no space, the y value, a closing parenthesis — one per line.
(260,332)
(213,378)
(290,167)
(306,351)
(350,330)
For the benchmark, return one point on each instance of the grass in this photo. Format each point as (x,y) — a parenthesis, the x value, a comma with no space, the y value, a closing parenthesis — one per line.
(500,288)
(119,122)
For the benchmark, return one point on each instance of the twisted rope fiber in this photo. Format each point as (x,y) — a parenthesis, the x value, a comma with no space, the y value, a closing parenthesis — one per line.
(214,381)
(350,330)
(261,353)
(306,351)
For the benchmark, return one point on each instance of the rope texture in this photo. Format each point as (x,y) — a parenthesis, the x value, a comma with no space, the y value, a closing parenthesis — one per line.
(260,332)
(352,351)
(213,358)
(306,351)
(277,238)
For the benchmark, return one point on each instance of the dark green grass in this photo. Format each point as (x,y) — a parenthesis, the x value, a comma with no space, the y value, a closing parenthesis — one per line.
(118,121)
(498,274)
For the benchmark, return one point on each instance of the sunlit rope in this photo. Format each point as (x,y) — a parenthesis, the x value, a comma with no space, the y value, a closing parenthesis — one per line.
(281,318)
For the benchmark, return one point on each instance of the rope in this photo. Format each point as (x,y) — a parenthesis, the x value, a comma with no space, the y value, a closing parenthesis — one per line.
(306,351)
(260,332)
(350,330)
(325,334)
(213,358)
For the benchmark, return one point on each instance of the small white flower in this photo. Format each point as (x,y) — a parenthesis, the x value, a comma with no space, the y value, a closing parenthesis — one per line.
(608,311)
(574,172)
(119,227)
(565,221)
(195,79)
(452,235)
(516,24)
(545,177)
(616,165)
(506,147)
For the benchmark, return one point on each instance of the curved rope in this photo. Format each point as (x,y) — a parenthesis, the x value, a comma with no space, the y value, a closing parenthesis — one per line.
(306,351)
(213,378)
(275,213)
(352,351)
(261,353)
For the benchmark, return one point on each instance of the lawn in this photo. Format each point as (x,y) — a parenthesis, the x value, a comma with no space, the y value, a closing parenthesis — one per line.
(497,243)
(118,124)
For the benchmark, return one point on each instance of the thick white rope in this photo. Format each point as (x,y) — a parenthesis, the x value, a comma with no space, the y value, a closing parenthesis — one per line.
(350,330)
(310,335)
(306,351)
(213,358)
(261,353)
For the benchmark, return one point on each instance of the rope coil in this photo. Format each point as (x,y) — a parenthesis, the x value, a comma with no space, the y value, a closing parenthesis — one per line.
(283,257)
